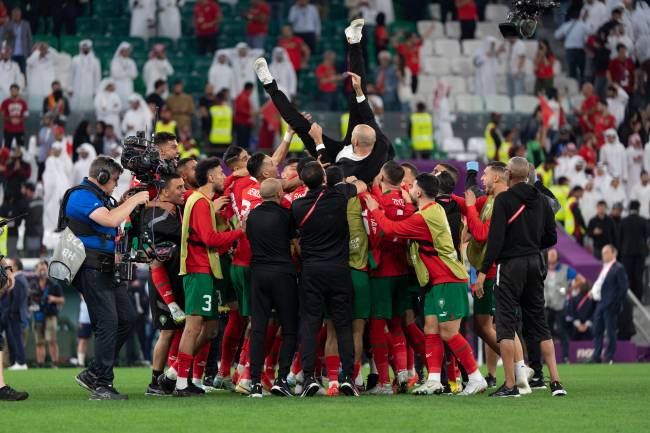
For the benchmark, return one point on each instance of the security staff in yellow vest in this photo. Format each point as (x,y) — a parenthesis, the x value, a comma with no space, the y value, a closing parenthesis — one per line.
(574,223)
(345,120)
(220,122)
(201,242)
(561,193)
(545,172)
(493,137)
(166,124)
(421,130)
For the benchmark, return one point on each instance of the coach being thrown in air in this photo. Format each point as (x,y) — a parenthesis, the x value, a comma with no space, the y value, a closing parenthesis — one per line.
(90,213)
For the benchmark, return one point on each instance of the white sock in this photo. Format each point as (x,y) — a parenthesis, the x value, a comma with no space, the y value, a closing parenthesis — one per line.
(181,383)
(197,382)
(433,376)
(476,375)
(81,359)
(172,374)
(332,383)
(520,369)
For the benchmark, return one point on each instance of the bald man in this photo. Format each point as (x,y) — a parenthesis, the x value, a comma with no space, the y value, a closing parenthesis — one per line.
(361,153)
(522,225)
(273,283)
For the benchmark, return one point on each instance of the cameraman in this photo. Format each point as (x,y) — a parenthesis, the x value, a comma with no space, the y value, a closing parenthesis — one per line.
(46,299)
(91,214)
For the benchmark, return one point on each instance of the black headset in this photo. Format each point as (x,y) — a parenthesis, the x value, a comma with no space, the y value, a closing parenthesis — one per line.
(103,176)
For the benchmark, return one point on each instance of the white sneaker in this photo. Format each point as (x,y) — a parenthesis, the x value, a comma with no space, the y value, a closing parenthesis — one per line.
(243,386)
(224,383)
(522,383)
(177,314)
(294,379)
(18,367)
(353,31)
(262,71)
(385,389)
(529,373)
(474,387)
(429,387)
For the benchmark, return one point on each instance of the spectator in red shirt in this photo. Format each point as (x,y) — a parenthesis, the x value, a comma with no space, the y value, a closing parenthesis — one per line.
(258,23)
(206,19)
(467,16)
(243,121)
(14,111)
(601,121)
(382,38)
(409,50)
(327,80)
(296,48)
(588,151)
(621,70)
(544,61)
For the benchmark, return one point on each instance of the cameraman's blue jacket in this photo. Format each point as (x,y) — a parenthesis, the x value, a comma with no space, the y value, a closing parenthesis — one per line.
(80,205)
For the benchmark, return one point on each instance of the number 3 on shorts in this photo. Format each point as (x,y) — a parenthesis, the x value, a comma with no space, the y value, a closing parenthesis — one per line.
(208,303)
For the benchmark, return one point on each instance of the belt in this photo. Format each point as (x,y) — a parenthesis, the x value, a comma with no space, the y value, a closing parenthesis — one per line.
(99,260)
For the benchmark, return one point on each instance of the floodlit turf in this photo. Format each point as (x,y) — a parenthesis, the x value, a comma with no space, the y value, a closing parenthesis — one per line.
(602,398)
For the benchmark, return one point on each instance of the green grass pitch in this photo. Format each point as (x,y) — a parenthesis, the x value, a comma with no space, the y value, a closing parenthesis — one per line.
(602,398)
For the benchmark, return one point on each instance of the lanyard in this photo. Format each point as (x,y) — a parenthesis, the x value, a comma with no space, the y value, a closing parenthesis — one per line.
(311,210)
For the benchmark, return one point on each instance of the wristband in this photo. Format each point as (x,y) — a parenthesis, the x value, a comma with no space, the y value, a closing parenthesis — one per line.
(361,98)
(287,137)
(320,147)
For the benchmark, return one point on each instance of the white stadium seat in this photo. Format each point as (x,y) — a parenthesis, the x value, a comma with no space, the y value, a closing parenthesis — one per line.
(498,103)
(452,29)
(468,103)
(427,49)
(437,66)
(462,66)
(457,84)
(453,145)
(488,29)
(447,47)
(425,25)
(496,13)
(524,103)
(470,46)
(477,145)
(568,83)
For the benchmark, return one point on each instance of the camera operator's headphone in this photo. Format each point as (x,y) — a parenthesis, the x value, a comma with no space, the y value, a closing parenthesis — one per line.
(103,176)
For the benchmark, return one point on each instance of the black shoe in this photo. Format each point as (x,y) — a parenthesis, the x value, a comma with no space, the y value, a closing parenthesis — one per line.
(166,384)
(156,390)
(446,389)
(310,387)
(281,388)
(347,387)
(537,382)
(506,392)
(372,380)
(185,392)
(195,389)
(208,381)
(86,380)
(107,393)
(557,390)
(7,393)
(256,391)
(491,381)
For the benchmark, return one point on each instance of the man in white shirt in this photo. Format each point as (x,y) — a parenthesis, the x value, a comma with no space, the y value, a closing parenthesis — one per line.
(617,102)
(613,155)
(590,198)
(305,20)
(515,63)
(574,33)
(156,68)
(595,14)
(9,73)
(86,75)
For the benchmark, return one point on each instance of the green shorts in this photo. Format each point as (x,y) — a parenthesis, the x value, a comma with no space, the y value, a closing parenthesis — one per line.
(389,296)
(485,305)
(361,285)
(447,301)
(202,295)
(241,279)
(228,292)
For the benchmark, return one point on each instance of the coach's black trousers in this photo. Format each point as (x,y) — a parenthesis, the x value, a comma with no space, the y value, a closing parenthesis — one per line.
(326,286)
(111,316)
(273,290)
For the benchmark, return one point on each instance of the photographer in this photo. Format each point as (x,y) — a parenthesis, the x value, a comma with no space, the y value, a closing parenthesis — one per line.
(90,213)
(46,299)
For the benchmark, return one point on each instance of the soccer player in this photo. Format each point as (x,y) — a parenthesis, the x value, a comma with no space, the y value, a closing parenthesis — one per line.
(437,265)
(389,298)
(186,169)
(200,267)
(167,301)
(365,148)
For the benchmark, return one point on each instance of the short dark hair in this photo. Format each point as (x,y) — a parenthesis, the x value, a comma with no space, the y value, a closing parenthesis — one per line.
(232,154)
(203,167)
(576,188)
(420,106)
(619,46)
(446,183)
(453,171)
(497,164)
(14,86)
(408,166)
(18,264)
(313,174)
(394,172)
(184,161)
(30,186)
(254,164)
(248,86)
(334,175)
(302,163)
(159,83)
(428,183)
(167,178)
(635,205)
(601,203)
(162,138)
(103,162)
